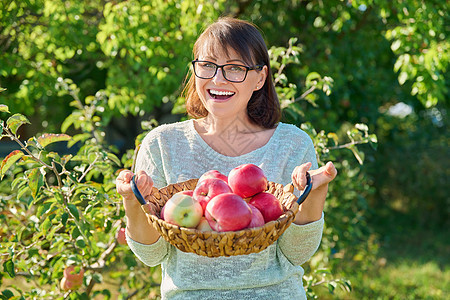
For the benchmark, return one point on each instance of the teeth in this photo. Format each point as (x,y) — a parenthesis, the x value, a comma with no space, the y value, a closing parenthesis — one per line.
(221,93)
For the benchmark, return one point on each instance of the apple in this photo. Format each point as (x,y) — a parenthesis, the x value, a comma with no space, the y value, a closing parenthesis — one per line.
(63,284)
(208,189)
(183,210)
(74,274)
(257,218)
(73,278)
(268,205)
(121,237)
(228,212)
(68,285)
(247,180)
(213,174)
(161,213)
(204,225)
(188,192)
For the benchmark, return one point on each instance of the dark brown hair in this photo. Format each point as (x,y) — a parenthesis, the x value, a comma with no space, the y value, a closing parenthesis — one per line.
(243,37)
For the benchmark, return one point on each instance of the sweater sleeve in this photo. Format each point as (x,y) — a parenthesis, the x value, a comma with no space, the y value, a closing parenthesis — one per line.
(151,255)
(299,242)
(149,158)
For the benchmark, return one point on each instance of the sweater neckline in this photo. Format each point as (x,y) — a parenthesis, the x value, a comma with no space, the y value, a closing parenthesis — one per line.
(208,148)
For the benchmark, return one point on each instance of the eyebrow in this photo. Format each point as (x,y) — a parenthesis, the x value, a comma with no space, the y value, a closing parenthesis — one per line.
(228,61)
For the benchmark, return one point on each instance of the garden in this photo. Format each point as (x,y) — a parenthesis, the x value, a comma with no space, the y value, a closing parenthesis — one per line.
(82,82)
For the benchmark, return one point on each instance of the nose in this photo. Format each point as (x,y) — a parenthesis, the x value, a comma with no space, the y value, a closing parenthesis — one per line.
(219,78)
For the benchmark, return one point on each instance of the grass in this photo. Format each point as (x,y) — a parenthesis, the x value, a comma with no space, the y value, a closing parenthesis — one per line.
(413,263)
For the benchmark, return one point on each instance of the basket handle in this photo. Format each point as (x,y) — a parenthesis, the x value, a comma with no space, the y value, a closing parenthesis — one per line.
(306,190)
(300,199)
(136,191)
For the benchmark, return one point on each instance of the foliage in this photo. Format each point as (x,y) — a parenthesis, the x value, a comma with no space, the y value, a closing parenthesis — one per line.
(72,201)
(63,210)
(93,70)
(135,67)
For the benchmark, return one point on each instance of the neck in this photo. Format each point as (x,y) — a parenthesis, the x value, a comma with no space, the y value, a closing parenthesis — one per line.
(239,124)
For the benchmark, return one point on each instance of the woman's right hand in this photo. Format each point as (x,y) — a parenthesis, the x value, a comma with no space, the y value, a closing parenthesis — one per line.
(138,227)
(143,182)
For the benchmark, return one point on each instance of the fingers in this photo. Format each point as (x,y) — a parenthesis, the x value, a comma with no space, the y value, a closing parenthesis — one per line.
(125,176)
(143,182)
(299,175)
(123,182)
(323,175)
(319,177)
(330,170)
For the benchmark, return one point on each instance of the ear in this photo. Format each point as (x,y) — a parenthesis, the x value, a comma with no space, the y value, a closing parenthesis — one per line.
(262,75)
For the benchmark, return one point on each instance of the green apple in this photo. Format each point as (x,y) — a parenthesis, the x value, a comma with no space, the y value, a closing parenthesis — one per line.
(183,210)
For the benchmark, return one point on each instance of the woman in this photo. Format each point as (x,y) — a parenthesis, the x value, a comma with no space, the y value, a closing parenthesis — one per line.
(236,113)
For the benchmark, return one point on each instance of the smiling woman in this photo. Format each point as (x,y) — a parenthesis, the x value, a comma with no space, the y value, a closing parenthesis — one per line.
(236,120)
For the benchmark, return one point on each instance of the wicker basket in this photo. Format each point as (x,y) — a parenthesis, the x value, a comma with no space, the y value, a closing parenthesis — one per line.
(212,243)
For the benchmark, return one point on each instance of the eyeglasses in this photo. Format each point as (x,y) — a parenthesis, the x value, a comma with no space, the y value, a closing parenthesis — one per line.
(234,73)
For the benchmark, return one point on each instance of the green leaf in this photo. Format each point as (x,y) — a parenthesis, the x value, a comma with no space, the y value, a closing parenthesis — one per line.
(23,189)
(9,161)
(49,138)
(15,121)
(331,287)
(80,243)
(8,267)
(3,107)
(113,158)
(42,209)
(312,79)
(46,225)
(36,181)
(7,294)
(64,218)
(74,211)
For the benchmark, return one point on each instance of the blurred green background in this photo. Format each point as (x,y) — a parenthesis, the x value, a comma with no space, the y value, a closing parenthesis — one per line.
(121,64)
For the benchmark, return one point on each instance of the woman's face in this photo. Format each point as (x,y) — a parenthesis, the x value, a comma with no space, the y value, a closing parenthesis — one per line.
(225,99)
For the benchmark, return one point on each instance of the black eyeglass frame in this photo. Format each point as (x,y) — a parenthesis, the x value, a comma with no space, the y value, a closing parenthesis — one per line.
(257,67)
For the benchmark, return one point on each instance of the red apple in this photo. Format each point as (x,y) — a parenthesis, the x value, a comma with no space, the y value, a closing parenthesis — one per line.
(161,213)
(188,192)
(257,218)
(208,189)
(204,225)
(74,274)
(268,205)
(63,284)
(68,285)
(228,212)
(121,237)
(213,174)
(247,180)
(183,210)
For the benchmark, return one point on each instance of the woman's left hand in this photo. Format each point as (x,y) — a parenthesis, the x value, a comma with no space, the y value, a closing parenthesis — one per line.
(311,210)
(319,178)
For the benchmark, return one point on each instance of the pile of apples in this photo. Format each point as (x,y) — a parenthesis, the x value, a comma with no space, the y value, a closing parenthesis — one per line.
(221,203)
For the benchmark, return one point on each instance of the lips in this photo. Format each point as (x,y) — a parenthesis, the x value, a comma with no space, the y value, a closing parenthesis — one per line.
(220,94)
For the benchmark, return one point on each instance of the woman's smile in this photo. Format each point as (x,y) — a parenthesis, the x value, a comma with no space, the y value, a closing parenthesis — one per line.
(220,94)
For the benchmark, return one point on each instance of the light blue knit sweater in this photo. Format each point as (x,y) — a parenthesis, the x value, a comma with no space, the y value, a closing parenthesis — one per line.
(176,152)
